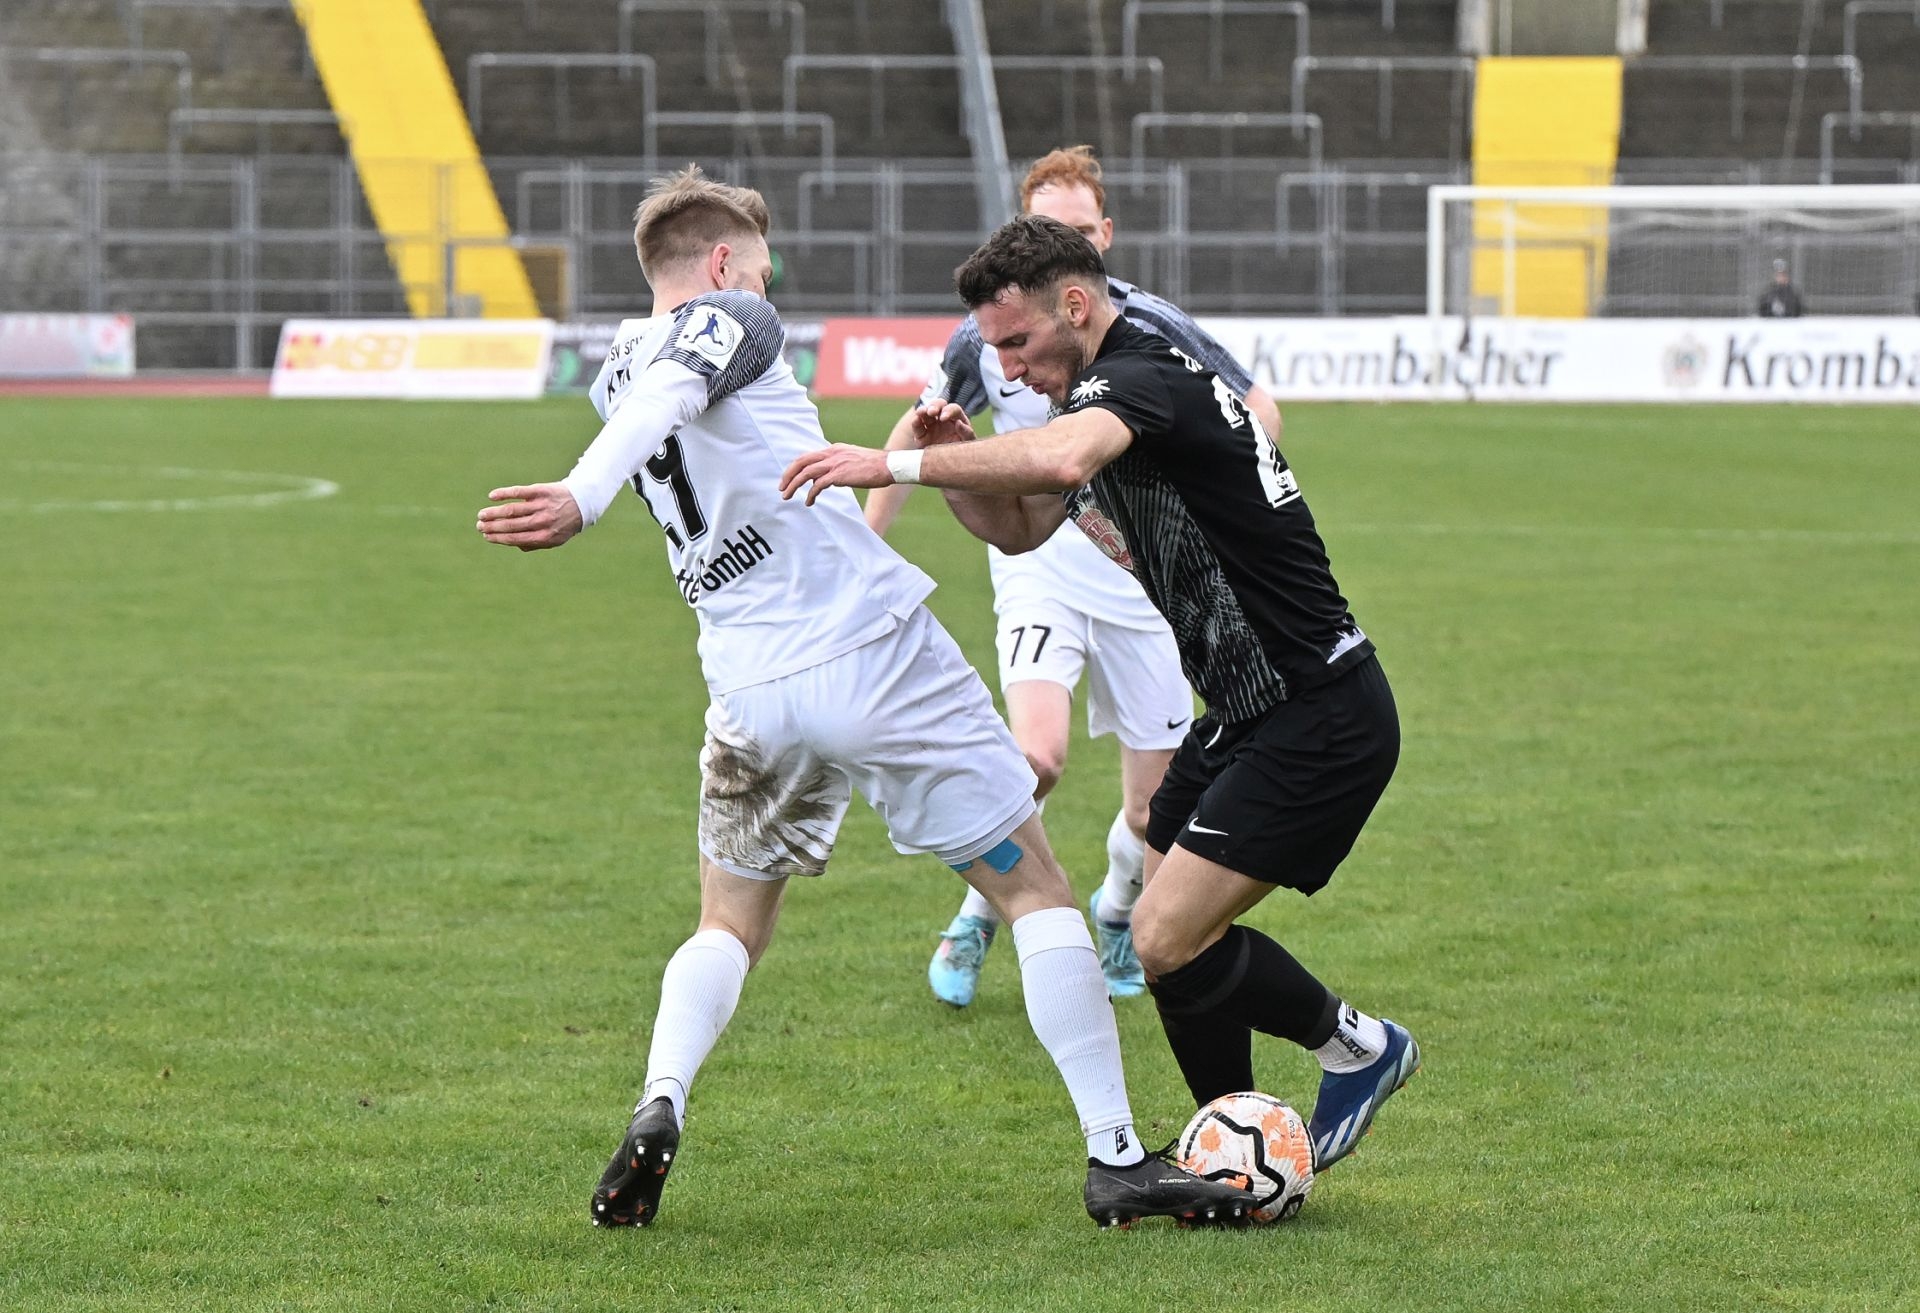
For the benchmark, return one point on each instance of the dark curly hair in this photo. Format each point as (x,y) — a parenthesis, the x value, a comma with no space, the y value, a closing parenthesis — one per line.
(1030,253)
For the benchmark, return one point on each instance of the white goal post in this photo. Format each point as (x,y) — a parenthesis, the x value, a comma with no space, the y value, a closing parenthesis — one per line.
(1670,251)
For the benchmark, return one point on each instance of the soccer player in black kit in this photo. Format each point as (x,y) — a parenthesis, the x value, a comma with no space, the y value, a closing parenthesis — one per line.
(1159,463)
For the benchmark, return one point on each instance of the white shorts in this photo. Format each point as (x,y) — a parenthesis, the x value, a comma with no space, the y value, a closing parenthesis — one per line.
(1134,684)
(904,719)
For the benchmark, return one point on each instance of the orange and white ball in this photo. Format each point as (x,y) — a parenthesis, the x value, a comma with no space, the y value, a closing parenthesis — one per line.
(1256,1142)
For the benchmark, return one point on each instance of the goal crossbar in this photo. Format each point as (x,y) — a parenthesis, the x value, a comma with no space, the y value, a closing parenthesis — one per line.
(1697,197)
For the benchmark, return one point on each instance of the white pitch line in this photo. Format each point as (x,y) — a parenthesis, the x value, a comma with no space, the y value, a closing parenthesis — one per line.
(303,488)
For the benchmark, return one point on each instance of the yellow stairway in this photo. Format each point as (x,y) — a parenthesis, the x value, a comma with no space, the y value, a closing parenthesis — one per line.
(1544,123)
(419,165)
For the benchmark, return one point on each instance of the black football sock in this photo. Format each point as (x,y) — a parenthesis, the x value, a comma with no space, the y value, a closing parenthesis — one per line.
(1244,981)
(1215,1053)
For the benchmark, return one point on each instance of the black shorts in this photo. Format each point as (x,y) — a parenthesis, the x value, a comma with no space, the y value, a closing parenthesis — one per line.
(1282,797)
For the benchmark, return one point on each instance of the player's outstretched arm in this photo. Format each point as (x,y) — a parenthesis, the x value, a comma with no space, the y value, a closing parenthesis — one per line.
(1064,454)
(1005,477)
(926,425)
(542,515)
(532,517)
(885,504)
(1014,524)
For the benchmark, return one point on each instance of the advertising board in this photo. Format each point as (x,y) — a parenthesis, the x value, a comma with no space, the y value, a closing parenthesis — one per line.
(66,346)
(1585,360)
(880,357)
(477,359)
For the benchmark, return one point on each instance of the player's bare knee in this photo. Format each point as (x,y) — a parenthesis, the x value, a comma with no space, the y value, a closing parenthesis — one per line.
(1161,942)
(1135,811)
(1151,942)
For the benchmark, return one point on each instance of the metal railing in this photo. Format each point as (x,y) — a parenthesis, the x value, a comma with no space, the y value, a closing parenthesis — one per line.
(1216,11)
(1459,67)
(529,8)
(190,246)
(82,56)
(134,17)
(1738,66)
(744,119)
(1227,124)
(561,64)
(874,66)
(887,186)
(1128,67)
(788,13)
(1858,9)
(1909,119)
(210,253)
(182,122)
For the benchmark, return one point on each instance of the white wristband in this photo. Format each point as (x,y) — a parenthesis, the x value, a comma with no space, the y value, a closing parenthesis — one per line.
(904,466)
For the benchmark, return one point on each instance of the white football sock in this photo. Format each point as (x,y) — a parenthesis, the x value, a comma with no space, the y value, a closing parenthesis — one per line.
(977,905)
(698,992)
(1068,1009)
(1126,869)
(1358,1041)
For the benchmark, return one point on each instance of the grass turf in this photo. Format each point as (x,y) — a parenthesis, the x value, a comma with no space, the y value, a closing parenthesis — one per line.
(340,854)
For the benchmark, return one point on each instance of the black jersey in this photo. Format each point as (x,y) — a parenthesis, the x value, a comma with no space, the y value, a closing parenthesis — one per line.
(1204,510)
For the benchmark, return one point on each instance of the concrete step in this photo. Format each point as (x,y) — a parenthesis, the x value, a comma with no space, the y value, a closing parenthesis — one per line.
(1252,74)
(1688,114)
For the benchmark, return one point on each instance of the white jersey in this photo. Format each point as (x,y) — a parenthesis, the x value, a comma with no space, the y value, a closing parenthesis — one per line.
(703,415)
(1067,567)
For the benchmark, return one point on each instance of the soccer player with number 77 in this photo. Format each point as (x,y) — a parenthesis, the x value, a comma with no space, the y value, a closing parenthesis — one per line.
(826,673)
(1160,463)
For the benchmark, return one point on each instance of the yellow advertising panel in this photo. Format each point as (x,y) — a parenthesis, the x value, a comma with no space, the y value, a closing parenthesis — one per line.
(412,358)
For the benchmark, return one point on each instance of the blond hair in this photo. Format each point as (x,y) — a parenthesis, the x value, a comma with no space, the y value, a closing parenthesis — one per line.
(1070,166)
(687,214)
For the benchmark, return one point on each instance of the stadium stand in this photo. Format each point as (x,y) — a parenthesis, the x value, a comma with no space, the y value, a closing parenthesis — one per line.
(1263,155)
(1770,116)
(130,179)
(417,160)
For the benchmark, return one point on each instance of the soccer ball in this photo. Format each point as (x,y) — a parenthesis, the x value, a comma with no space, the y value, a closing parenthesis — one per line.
(1256,1142)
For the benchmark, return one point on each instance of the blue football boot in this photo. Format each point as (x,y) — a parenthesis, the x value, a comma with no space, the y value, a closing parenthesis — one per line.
(954,972)
(1117,960)
(1349,1100)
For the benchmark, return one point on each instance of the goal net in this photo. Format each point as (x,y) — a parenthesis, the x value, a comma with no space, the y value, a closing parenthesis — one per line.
(1673,252)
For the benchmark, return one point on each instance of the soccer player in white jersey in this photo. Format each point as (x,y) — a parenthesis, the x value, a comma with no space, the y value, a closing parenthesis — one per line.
(1067,609)
(827,673)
